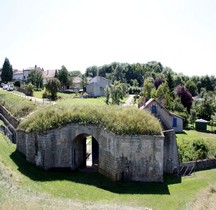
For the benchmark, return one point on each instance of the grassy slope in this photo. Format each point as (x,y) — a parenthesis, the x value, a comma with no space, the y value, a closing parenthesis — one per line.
(18,106)
(191,135)
(27,187)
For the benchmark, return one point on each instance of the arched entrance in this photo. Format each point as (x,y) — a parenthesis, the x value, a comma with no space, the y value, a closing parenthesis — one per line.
(85,151)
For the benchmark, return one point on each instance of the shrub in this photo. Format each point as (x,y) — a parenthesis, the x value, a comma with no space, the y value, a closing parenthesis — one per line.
(28,89)
(45,94)
(193,150)
(17,83)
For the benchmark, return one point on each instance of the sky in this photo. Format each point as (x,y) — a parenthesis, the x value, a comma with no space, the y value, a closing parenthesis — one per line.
(181,34)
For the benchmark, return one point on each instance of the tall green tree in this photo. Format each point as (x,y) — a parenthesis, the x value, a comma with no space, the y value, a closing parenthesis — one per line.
(7,71)
(170,82)
(148,87)
(117,91)
(36,78)
(63,77)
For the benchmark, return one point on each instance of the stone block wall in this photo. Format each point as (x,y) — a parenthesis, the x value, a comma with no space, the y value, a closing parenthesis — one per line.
(121,157)
(13,121)
(201,164)
(171,159)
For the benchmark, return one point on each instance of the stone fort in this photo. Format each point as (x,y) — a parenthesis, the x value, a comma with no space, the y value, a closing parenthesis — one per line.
(121,157)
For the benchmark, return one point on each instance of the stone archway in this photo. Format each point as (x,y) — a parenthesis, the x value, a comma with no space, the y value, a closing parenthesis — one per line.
(85,151)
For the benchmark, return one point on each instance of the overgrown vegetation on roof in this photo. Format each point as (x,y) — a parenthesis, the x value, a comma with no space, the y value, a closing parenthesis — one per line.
(120,120)
(19,107)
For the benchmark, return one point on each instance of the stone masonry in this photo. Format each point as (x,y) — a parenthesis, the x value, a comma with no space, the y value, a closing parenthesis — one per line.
(121,157)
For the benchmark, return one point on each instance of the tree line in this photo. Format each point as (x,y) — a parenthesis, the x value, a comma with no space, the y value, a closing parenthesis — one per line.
(148,80)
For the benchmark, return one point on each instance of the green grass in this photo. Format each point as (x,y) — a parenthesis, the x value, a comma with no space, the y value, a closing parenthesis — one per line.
(38,93)
(76,99)
(71,99)
(18,106)
(118,119)
(27,187)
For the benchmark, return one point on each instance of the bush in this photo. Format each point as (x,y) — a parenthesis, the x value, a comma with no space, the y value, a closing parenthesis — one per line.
(193,150)
(27,89)
(17,83)
(45,94)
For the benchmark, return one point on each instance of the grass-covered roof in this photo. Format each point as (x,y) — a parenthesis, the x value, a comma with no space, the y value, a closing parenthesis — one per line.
(120,120)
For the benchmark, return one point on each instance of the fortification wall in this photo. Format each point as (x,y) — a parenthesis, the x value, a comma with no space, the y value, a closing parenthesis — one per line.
(13,121)
(121,157)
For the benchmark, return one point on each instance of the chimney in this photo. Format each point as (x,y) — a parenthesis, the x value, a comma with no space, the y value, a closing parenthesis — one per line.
(144,101)
(163,102)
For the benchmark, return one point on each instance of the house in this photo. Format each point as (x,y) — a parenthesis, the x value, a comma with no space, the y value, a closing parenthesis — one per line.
(96,86)
(27,71)
(168,119)
(17,75)
(77,83)
(48,74)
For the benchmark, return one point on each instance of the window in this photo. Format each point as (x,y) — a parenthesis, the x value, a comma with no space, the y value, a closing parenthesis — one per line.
(174,122)
(153,109)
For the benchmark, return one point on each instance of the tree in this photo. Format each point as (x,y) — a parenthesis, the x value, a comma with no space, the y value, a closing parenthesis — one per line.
(158,81)
(52,87)
(155,66)
(75,73)
(107,95)
(7,71)
(117,92)
(185,96)
(135,83)
(36,78)
(190,85)
(148,87)
(170,82)
(84,82)
(91,71)
(63,77)
(118,73)
(162,90)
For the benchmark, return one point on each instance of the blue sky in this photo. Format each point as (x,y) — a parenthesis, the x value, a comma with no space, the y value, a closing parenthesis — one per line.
(181,34)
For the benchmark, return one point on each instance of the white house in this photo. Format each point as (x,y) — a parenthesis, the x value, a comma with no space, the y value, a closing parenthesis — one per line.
(96,86)
(169,119)
(27,71)
(17,75)
(48,74)
(77,83)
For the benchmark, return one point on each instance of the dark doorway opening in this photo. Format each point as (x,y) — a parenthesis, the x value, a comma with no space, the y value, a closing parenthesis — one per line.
(86,154)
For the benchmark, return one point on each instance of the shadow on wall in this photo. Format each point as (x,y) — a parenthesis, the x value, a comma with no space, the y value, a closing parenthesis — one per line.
(94,179)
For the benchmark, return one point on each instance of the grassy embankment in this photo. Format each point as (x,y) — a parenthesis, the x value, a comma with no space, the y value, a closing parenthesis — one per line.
(19,107)
(120,120)
(24,186)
